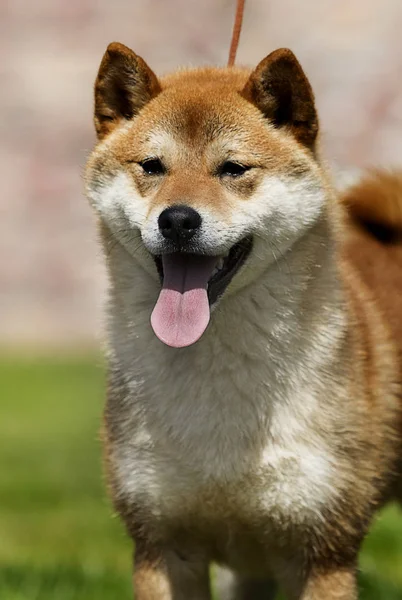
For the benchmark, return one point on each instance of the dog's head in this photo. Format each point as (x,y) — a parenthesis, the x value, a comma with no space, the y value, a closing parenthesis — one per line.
(205,176)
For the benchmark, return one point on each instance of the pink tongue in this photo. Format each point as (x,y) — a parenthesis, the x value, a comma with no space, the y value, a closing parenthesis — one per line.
(181,313)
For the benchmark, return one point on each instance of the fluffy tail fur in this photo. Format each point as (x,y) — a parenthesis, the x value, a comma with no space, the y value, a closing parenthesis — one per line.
(375,203)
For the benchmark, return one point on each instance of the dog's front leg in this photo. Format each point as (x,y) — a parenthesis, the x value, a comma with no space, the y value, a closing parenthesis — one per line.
(333,584)
(166,575)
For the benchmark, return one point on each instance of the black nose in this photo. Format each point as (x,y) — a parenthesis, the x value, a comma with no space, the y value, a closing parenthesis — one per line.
(179,223)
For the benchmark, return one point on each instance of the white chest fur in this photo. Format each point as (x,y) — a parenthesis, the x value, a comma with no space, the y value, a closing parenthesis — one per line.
(235,418)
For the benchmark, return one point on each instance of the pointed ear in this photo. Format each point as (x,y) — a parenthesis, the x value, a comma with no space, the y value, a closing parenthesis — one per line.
(280,89)
(124,85)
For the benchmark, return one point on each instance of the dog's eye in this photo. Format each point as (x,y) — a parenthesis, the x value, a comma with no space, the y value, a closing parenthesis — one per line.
(232,169)
(153,166)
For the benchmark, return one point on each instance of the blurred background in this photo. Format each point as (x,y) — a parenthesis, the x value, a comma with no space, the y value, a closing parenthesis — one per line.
(58,538)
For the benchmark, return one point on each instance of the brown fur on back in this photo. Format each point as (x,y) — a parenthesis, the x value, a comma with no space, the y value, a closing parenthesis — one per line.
(374,243)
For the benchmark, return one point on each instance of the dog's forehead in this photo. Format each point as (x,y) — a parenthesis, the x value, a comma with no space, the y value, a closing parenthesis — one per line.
(199,111)
(198,127)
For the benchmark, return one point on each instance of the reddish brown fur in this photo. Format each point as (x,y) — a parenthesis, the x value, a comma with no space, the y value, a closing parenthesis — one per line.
(321,557)
(377,253)
(372,247)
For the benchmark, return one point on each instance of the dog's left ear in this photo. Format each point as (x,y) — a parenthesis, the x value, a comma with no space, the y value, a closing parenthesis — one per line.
(280,89)
(123,86)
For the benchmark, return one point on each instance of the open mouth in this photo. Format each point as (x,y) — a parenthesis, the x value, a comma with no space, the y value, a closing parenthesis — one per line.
(191,283)
(224,271)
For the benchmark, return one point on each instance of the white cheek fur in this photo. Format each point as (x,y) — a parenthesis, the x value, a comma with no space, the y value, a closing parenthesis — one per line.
(281,210)
(116,198)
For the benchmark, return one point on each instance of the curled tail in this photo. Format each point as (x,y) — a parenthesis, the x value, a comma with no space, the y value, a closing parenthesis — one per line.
(375,204)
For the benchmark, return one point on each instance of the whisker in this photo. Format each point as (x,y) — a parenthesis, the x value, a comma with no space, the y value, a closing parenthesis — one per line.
(282,256)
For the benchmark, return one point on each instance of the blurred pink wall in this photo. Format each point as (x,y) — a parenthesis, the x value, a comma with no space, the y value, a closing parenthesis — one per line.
(51,275)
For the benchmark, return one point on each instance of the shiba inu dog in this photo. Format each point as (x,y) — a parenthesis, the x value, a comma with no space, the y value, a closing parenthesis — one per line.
(254,414)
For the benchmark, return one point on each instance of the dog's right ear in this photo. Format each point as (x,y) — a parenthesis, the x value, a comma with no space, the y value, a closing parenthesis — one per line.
(123,86)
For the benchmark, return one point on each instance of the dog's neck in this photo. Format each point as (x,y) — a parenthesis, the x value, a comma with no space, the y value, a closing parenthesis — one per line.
(294,309)
(263,361)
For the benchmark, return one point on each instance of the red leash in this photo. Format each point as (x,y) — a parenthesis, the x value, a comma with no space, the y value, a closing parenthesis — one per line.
(236,32)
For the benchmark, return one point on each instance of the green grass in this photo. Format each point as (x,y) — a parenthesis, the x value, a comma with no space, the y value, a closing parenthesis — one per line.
(58,537)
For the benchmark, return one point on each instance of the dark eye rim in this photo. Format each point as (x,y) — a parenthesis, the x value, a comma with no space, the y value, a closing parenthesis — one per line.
(231,168)
(153,166)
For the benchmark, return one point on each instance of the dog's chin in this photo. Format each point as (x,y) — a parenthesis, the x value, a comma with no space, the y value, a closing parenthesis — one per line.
(191,285)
